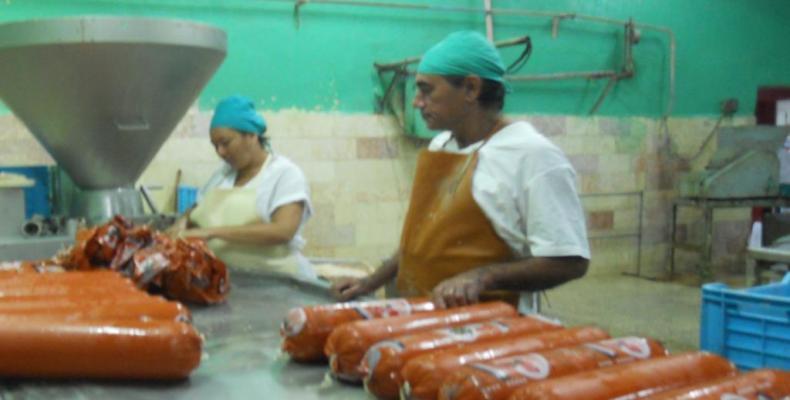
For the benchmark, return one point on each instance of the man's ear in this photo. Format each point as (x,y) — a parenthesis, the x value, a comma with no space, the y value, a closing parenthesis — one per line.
(472,85)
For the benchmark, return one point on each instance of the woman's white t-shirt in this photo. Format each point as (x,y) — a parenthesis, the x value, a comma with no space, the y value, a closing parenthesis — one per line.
(282,182)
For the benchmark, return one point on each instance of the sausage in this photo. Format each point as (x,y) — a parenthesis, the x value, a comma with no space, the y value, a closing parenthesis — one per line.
(497,379)
(348,343)
(88,277)
(14,294)
(423,375)
(635,380)
(764,384)
(97,310)
(59,287)
(305,329)
(112,349)
(384,360)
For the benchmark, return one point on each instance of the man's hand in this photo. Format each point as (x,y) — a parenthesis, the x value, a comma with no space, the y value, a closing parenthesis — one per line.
(460,290)
(344,289)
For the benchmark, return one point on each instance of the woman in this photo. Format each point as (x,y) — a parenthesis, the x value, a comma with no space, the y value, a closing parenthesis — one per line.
(253,209)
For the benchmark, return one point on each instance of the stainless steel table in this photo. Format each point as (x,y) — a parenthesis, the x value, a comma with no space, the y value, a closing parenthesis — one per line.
(241,354)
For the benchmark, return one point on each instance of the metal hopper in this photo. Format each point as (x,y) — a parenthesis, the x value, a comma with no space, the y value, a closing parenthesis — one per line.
(102,94)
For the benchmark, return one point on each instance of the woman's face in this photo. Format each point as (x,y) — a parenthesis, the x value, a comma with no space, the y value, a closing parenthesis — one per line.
(237,149)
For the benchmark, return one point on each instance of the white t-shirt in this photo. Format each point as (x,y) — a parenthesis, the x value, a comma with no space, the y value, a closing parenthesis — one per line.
(282,183)
(527,188)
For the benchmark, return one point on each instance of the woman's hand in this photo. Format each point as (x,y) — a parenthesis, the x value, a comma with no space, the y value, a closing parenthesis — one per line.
(178,227)
(204,234)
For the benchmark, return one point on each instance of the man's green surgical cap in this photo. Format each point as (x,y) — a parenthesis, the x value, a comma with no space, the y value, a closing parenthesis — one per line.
(461,54)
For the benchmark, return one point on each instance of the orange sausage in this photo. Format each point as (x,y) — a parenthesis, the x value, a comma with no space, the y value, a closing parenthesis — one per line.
(113,349)
(39,285)
(348,343)
(95,276)
(423,375)
(384,360)
(112,290)
(497,379)
(305,329)
(116,308)
(756,385)
(635,380)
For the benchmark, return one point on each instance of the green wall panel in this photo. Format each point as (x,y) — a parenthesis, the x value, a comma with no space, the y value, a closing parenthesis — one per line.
(725,48)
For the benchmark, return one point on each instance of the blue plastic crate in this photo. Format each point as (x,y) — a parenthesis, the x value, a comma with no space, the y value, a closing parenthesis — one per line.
(751,327)
(187,197)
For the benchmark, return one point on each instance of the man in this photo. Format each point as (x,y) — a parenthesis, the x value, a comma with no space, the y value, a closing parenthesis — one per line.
(494,207)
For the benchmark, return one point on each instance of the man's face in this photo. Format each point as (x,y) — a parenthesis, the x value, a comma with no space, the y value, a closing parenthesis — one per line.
(441,104)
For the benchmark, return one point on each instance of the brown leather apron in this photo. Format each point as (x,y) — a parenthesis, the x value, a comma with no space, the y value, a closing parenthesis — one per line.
(445,232)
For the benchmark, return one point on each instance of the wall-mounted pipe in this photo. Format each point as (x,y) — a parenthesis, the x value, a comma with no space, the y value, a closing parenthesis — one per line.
(399,65)
(489,20)
(563,76)
(557,18)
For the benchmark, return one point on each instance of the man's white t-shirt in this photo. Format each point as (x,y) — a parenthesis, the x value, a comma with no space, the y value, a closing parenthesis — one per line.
(527,188)
(282,183)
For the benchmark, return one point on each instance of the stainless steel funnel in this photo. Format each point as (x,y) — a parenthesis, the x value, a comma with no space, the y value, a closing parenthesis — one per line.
(103,93)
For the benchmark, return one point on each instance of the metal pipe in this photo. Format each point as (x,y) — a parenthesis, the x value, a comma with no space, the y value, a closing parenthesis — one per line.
(603,95)
(147,197)
(556,18)
(489,20)
(563,75)
(398,65)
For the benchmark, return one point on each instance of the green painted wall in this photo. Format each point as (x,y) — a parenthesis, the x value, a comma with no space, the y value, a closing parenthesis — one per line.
(725,48)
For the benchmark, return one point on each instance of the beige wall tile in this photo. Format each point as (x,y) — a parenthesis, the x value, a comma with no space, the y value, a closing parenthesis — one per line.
(361,198)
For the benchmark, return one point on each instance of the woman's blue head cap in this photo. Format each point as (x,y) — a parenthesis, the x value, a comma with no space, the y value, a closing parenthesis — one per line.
(238,113)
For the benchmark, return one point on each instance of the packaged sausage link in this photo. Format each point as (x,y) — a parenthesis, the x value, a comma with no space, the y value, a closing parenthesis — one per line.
(135,308)
(108,349)
(383,361)
(348,343)
(424,375)
(305,329)
(630,381)
(763,384)
(497,379)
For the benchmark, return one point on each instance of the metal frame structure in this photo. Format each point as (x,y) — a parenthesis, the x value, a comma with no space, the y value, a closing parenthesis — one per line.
(707,205)
(640,194)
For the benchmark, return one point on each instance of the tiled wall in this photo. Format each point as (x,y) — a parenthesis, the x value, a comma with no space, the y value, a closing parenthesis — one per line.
(360,169)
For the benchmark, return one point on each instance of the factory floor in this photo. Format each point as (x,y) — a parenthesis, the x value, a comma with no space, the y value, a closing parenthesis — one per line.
(625,305)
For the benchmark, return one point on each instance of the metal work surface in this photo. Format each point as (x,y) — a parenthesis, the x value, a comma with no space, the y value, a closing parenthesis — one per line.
(241,356)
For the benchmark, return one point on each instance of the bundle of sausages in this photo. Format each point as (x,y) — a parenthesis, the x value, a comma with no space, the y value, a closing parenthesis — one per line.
(91,324)
(403,347)
(181,269)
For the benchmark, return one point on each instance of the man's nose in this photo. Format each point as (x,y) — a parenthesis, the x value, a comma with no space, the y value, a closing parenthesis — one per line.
(417,102)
